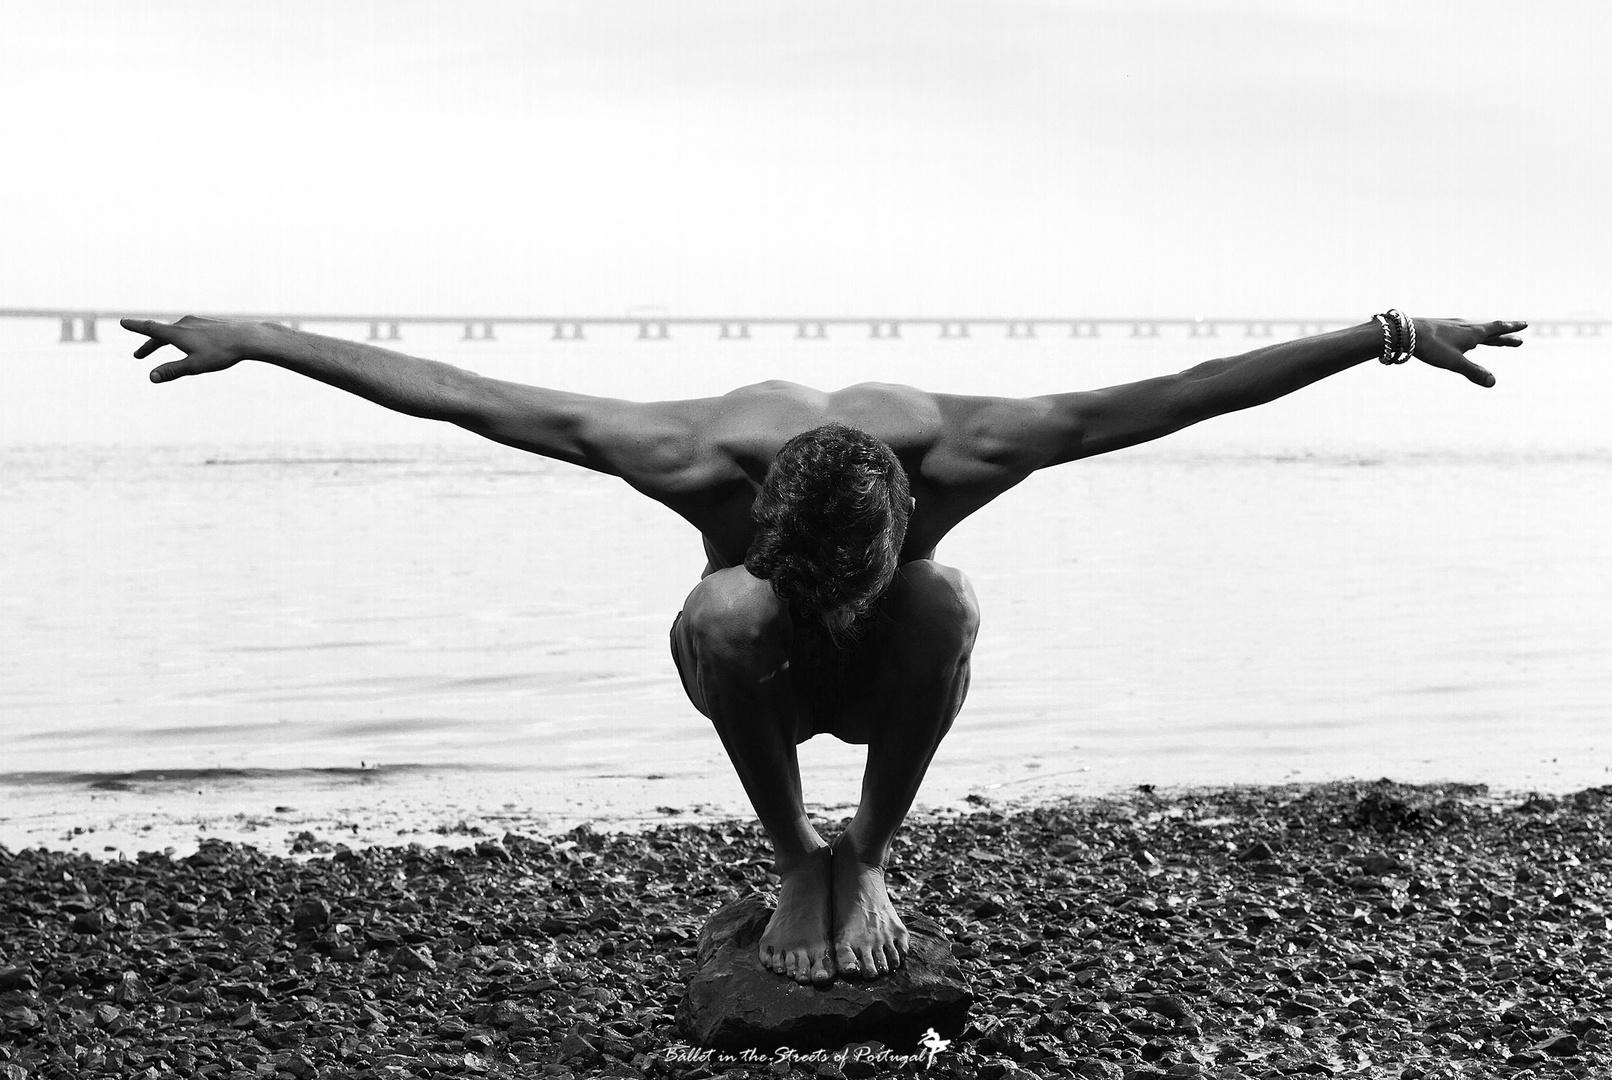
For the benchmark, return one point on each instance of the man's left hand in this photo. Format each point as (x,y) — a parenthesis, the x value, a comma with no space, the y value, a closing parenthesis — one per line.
(1444,343)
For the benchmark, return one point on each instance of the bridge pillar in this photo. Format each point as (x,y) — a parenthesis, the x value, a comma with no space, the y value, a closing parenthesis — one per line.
(884,330)
(953,330)
(1548,329)
(653,331)
(1020,330)
(812,330)
(733,330)
(1145,329)
(78,328)
(1584,330)
(568,331)
(1200,328)
(374,332)
(1260,329)
(471,334)
(392,333)
(1083,329)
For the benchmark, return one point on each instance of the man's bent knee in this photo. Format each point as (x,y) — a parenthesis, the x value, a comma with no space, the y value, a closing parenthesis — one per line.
(933,605)
(734,619)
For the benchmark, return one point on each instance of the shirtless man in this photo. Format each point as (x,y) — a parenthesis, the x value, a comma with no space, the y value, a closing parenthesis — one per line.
(821,608)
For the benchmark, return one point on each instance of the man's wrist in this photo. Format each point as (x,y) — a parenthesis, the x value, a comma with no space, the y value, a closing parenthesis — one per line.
(266,341)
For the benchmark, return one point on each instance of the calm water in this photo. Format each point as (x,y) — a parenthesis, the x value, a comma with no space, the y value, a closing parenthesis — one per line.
(1312,600)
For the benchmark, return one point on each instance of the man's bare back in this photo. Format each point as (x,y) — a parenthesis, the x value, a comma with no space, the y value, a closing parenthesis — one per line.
(748,644)
(705,458)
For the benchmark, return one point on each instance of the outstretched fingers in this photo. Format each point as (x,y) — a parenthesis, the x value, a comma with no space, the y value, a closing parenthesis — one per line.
(1500,333)
(154,331)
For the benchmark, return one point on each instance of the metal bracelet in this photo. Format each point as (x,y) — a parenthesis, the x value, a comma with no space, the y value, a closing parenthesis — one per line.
(1389,325)
(1407,324)
(1401,352)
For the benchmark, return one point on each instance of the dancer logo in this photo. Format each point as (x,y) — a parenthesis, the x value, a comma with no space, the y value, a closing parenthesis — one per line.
(933,1043)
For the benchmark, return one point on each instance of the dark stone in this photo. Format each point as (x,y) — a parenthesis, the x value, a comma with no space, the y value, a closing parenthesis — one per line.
(1563,1045)
(310,914)
(1386,813)
(413,958)
(17,978)
(576,1047)
(298,1065)
(1258,851)
(1379,865)
(990,907)
(733,1003)
(1173,1007)
(19,1018)
(89,922)
(130,990)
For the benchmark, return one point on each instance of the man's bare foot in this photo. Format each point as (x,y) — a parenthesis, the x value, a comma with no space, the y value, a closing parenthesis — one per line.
(796,941)
(869,937)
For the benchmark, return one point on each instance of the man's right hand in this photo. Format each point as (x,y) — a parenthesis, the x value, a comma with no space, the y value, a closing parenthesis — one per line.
(208,344)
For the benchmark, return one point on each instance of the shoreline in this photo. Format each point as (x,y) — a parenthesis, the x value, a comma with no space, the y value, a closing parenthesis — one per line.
(1346,928)
(118,815)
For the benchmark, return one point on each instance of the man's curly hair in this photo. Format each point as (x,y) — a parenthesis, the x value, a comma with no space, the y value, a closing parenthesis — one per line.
(831,518)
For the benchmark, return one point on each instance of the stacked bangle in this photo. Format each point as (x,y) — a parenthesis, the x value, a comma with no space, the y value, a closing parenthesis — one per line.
(1399,336)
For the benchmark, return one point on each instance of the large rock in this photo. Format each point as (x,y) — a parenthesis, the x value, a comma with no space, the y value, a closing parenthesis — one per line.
(733,1003)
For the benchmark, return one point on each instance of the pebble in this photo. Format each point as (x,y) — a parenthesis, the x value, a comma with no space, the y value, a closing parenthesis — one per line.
(310,914)
(17,978)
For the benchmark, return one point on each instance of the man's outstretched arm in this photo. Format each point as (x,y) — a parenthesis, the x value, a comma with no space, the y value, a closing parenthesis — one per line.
(652,446)
(1098,421)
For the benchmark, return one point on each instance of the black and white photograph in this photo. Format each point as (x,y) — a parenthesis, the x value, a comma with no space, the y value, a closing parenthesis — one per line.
(984,540)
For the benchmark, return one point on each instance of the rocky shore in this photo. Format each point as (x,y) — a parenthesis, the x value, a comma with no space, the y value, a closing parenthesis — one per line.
(1350,929)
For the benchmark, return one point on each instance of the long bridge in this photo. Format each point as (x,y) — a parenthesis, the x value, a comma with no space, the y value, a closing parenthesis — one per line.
(79,325)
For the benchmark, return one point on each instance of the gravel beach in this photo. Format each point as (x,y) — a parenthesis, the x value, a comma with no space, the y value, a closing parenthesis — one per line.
(1349,929)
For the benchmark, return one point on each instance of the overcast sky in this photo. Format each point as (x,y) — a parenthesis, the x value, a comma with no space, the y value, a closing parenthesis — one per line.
(715,157)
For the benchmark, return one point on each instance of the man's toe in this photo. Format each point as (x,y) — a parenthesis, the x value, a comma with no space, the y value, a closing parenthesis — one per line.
(845,960)
(869,963)
(892,956)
